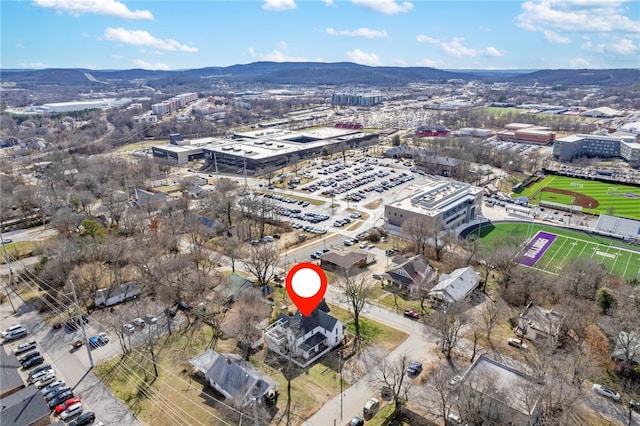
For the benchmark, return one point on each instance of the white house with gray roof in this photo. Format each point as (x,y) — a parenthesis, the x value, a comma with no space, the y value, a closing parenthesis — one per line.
(456,286)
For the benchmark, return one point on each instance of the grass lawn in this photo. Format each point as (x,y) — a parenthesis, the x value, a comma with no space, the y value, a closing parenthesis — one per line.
(398,303)
(618,199)
(619,259)
(19,250)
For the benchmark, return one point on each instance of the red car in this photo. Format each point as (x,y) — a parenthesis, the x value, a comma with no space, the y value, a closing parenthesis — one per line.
(68,403)
(410,313)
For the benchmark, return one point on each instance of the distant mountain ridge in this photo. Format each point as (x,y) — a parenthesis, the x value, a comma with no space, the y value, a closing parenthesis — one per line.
(320,73)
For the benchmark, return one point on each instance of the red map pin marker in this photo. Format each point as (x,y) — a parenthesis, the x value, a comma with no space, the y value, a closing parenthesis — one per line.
(306,285)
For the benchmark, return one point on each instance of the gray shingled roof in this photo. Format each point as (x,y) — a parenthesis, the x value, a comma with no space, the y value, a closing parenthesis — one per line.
(317,318)
(24,407)
(9,377)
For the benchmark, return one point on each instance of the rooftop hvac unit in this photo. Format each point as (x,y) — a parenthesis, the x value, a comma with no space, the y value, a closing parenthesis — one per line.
(226,148)
(280,145)
(237,148)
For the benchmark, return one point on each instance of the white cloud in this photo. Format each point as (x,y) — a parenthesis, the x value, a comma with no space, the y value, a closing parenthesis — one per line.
(428,63)
(572,16)
(19,46)
(400,62)
(360,32)
(34,65)
(492,51)
(115,56)
(328,3)
(147,66)
(100,7)
(361,57)
(580,63)
(143,38)
(427,39)
(277,56)
(389,7)
(279,5)
(456,49)
(554,37)
(283,45)
(625,47)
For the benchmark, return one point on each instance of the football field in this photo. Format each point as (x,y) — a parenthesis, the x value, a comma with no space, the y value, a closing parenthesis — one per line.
(550,252)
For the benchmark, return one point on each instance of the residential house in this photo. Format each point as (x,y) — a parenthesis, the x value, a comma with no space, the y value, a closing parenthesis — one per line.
(25,407)
(231,288)
(456,286)
(627,350)
(539,324)
(407,273)
(238,380)
(146,198)
(493,393)
(348,263)
(304,339)
(10,380)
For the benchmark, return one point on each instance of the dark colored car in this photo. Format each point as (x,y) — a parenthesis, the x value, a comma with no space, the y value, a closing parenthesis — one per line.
(53,394)
(39,369)
(33,362)
(75,321)
(60,398)
(84,419)
(28,356)
(414,369)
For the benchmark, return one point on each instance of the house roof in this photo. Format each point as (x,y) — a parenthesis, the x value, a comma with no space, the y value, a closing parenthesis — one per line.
(142,197)
(627,347)
(546,320)
(233,286)
(504,384)
(457,285)
(9,377)
(312,341)
(238,378)
(24,407)
(346,261)
(416,268)
(317,318)
(117,289)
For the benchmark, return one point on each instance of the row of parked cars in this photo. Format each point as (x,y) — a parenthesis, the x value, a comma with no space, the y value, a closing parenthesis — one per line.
(130,327)
(58,395)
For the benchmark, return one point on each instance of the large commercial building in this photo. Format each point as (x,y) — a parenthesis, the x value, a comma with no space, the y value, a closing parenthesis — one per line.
(172,104)
(261,148)
(526,133)
(573,146)
(356,100)
(447,203)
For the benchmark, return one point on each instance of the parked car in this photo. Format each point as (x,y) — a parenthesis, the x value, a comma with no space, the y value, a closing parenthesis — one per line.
(45,380)
(355,215)
(129,328)
(151,319)
(410,313)
(40,374)
(634,405)
(28,356)
(33,362)
(51,386)
(139,322)
(415,368)
(84,419)
(72,411)
(517,343)
(16,334)
(605,391)
(37,370)
(454,380)
(24,347)
(66,404)
(55,394)
(13,328)
(94,342)
(60,398)
(356,421)
(371,408)
(377,276)
(103,338)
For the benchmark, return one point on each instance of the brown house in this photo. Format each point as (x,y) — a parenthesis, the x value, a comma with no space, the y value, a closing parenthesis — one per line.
(343,263)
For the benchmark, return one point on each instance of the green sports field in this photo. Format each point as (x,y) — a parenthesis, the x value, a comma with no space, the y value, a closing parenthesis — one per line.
(604,198)
(620,259)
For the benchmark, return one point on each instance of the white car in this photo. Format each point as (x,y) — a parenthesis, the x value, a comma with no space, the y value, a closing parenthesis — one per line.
(13,329)
(51,386)
(45,380)
(151,319)
(605,391)
(129,328)
(103,338)
(138,322)
(74,410)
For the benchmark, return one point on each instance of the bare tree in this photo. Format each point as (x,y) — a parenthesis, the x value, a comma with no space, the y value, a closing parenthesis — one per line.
(262,261)
(582,278)
(269,172)
(357,289)
(449,323)
(233,248)
(252,309)
(392,374)
(490,313)
(295,163)
(440,393)
(417,230)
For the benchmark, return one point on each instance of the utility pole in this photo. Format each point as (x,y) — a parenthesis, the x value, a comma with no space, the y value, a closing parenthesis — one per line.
(6,257)
(81,320)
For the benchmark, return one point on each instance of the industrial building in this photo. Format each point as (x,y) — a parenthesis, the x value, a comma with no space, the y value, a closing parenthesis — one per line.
(526,133)
(601,146)
(261,148)
(449,203)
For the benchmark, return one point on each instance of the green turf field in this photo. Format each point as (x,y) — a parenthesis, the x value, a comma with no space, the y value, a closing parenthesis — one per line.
(615,199)
(620,259)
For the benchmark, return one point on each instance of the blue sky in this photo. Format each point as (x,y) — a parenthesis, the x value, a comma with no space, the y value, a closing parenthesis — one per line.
(171,34)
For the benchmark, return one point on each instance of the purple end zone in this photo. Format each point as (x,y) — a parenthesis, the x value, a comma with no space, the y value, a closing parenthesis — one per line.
(536,248)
